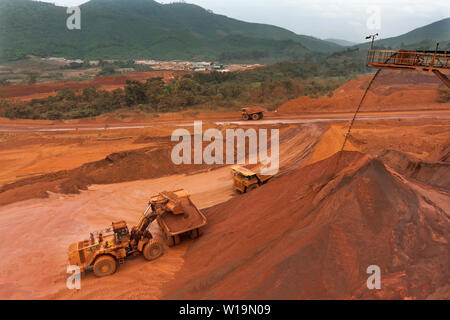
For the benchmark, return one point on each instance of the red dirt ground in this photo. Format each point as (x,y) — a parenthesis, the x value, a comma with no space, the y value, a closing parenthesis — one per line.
(309,233)
(149,162)
(37,91)
(312,234)
(392,90)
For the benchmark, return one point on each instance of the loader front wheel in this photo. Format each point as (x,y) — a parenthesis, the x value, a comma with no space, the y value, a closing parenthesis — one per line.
(245,117)
(153,250)
(105,266)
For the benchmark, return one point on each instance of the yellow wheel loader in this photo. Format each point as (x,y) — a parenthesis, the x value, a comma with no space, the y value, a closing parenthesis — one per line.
(108,248)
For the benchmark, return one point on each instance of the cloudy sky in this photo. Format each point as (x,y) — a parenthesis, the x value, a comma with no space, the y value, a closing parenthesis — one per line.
(343,19)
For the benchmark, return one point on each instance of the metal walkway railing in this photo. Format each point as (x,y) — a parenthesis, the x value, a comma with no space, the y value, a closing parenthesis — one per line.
(406,59)
(434,61)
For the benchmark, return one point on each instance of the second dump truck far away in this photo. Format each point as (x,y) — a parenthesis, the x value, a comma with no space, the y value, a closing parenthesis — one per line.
(253,113)
(106,249)
(246,180)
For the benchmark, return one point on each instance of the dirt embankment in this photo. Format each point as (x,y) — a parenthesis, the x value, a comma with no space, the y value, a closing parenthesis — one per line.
(392,90)
(435,174)
(420,152)
(312,234)
(149,162)
(146,163)
(43,90)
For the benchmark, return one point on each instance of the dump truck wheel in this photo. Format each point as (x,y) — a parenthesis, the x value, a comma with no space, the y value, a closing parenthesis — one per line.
(105,266)
(170,241)
(252,187)
(245,117)
(195,234)
(255,116)
(261,115)
(177,239)
(153,250)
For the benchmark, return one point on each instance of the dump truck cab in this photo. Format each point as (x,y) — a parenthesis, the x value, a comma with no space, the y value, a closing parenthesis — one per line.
(252,113)
(245,180)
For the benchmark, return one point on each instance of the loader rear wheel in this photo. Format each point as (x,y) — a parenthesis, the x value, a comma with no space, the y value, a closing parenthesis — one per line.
(255,116)
(245,117)
(153,250)
(105,266)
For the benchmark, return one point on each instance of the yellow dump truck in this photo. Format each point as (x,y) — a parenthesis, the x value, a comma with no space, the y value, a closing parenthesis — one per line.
(253,113)
(108,248)
(246,180)
(178,217)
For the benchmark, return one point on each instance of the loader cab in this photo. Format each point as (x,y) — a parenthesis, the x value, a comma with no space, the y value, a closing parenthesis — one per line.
(121,232)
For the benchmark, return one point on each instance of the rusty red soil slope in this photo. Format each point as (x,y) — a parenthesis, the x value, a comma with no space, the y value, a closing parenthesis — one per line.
(42,90)
(436,174)
(312,234)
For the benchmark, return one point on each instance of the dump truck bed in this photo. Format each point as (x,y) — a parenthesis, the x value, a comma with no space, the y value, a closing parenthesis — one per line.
(191,219)
(252,110)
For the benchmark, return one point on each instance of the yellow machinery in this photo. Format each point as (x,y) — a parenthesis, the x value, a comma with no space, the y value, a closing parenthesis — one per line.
(106,249)
(245,180)
(253,113)
(177,216)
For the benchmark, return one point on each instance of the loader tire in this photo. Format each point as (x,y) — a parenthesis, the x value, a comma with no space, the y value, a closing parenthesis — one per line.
(255,116)
(245,117)
(105,266)
(153,250)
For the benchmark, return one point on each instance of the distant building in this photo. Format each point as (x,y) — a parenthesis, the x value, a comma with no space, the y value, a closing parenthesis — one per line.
(146,62)
(199,68)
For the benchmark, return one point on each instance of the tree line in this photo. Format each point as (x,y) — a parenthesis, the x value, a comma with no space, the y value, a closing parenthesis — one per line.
(268,86)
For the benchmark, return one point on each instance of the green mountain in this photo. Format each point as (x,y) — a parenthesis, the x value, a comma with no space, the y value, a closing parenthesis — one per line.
(341,42)
(145,29)
(422,38)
